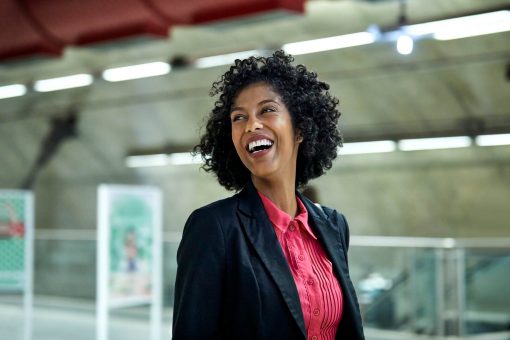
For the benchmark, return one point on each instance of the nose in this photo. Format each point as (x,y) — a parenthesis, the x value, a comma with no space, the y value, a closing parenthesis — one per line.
(253,124)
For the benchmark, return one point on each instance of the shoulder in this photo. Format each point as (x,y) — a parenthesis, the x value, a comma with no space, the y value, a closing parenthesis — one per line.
(212,217)
(204,231)
(324,212)
(333,214)
(338,219)
(216,210)
(335,220)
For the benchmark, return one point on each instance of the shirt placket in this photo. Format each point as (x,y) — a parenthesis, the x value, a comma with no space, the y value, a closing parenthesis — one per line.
(305,270)
(296,252)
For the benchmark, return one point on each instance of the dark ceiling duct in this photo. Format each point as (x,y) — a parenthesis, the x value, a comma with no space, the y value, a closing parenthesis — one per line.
(35,27)
(62,128)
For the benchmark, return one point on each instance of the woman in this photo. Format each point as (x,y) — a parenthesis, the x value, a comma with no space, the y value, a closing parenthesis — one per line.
(267,263)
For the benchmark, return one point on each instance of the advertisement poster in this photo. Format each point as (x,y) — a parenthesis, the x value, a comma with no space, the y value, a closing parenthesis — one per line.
(129,253)
(131,237)
(13,211)
(129,245)
(16,250)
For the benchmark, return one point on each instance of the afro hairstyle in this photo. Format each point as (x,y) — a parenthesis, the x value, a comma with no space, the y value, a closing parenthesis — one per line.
(313,111)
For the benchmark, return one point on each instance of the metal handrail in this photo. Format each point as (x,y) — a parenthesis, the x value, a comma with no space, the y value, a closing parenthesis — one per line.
(429,242)
(356,240)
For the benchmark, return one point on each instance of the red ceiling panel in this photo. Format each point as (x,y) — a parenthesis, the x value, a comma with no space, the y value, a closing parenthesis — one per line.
(200,11)
(19,35)
(85,21)
(31,27)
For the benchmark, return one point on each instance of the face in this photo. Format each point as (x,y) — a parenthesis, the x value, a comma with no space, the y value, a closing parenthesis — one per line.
(262,133)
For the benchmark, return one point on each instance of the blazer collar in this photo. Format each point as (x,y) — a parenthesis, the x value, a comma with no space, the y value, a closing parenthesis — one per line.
(261,234)
(326,228)
(330,232)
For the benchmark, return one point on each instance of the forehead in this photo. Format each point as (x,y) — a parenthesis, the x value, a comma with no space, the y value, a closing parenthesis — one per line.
(255,93)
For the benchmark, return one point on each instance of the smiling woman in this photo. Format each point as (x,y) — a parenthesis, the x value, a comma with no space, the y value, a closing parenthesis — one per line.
(267,263)
(263,135)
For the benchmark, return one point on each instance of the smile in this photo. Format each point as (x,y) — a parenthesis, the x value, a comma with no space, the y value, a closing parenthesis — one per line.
(259,145)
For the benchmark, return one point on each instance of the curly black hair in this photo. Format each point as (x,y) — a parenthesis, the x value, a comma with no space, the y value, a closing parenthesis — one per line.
(312,108)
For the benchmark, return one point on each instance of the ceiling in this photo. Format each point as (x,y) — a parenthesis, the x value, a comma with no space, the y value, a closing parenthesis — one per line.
(34,27)
(442,88)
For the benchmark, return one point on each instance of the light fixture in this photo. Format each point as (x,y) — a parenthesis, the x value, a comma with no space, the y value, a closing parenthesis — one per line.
(367,147)
(434,143)
(183,158)
(62,83)
(162,159)
(147,160)
(492,140)
(14,90)
(330,43)
(153,69)
(462,27)
(224,59)
(405,44)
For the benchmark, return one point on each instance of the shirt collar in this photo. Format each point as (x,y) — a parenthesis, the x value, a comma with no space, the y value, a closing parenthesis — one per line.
(281,219)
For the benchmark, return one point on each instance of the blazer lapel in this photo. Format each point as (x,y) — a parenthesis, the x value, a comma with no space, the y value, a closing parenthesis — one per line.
(328,232)
(329,236)
(261,234)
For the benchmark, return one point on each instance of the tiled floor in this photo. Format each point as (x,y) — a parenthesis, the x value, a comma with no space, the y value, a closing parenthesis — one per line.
(60,319)
(73,319)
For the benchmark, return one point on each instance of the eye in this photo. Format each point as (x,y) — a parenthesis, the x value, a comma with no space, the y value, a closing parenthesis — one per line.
(236,117)
(268,109)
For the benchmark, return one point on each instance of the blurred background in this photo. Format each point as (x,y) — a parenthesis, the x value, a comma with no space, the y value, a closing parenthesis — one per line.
(424,177)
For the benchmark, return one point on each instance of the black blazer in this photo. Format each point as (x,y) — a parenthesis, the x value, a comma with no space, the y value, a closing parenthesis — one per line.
(233,281)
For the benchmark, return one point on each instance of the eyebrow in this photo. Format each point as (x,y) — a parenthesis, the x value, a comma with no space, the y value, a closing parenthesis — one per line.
(262,102)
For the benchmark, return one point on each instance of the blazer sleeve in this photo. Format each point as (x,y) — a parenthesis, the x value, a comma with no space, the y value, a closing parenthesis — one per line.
(341,222)
(346,238)
(199,281)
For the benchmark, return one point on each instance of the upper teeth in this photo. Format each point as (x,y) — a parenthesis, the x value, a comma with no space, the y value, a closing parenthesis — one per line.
(259,142)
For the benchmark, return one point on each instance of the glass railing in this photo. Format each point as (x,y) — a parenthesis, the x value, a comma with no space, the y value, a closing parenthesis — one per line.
(408,288)
(434,287)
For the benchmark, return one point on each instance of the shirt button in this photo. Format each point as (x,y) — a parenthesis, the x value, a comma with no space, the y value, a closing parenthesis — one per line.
(310,282)
(314,337)
(301,257)
(292,228)
(316,312)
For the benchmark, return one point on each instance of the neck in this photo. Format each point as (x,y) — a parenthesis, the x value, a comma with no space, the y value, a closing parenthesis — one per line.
(282,193)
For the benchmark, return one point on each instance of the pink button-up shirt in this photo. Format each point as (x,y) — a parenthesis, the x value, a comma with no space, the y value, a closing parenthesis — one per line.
(318,288)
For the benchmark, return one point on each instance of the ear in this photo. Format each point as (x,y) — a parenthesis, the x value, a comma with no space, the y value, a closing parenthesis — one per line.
(299,137)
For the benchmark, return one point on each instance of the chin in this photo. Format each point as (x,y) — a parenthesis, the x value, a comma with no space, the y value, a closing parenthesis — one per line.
(261,174)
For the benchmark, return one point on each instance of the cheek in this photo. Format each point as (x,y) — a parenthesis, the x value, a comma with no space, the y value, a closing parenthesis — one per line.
(236,139)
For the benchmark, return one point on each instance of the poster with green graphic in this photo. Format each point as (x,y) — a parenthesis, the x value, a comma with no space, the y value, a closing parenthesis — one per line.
(129,253)
(13,220)
(17,252)
(128,243)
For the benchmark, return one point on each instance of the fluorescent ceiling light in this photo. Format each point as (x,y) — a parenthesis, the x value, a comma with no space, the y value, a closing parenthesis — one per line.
(136,71)
(367,147)
(331,43)
(434,143)
(405,44)
(147,160)
(14,90)
(183,158)
(224,59)
(61,83)
(463,27)
(489,140)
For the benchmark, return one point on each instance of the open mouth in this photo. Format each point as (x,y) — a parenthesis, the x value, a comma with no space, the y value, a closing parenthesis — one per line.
(259,145)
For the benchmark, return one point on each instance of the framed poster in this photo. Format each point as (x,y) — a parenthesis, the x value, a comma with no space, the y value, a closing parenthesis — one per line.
(131,223)
(129,251)
(16,249)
